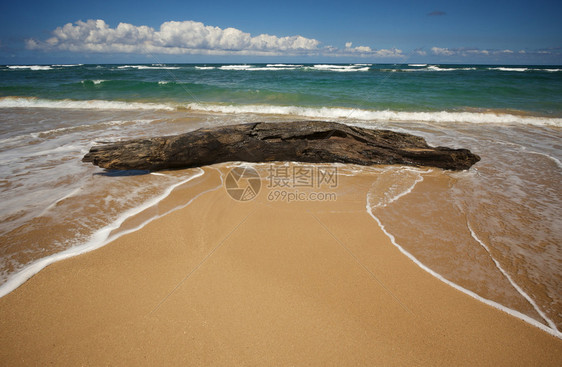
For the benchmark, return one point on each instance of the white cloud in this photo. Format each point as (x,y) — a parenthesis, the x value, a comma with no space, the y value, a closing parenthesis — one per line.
(393,52)
(442,51)
(189,37)
(172,38)
(366,51)
(467,52)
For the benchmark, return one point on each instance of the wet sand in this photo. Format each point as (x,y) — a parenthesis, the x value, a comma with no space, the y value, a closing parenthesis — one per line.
(221,282)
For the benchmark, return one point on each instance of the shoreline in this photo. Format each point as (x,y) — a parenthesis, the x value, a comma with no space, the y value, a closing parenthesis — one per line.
(357,115)
(262,286)
(98,239)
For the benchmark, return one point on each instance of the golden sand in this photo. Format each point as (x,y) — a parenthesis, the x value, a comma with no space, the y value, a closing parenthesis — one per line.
(266,283)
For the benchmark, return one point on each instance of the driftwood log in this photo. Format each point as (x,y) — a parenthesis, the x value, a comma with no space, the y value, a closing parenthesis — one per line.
(303,141)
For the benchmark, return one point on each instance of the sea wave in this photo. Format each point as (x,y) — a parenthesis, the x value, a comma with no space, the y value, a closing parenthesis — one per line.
(29,67)
(147,67)
(236,67)
(523,69)
(380,115)
(95,82)
(341,68)
(338,113)
(30,102)
(437,68)
(284,65)
(509,69)
(427,68)
(268,67)
(277,67)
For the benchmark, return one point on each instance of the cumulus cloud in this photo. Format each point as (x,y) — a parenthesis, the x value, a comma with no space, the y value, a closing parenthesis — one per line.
(359,49)
(173,37)
(442,51)
(366,51)
(190,37)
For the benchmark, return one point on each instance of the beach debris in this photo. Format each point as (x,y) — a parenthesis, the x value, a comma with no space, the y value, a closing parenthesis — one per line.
(300,141)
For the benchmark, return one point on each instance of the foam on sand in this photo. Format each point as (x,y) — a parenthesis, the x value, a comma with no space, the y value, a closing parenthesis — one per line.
(515,285)
(99,239)
(396,192)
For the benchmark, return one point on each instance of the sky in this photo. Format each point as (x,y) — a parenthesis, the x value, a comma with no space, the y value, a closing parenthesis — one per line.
(172,31)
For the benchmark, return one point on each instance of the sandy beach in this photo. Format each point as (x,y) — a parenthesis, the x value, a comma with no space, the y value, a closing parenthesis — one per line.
(220,282)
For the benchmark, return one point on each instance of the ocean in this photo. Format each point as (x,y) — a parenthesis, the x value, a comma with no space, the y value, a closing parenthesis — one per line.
(494,231)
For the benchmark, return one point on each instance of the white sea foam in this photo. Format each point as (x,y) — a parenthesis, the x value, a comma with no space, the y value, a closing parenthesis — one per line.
(271,68)
(57,131)
(205,67)
(11,102)
(309,112)
(508,277)
(509,69)
(66,196)
(96,81)
(554,159)
(520,70)
(236,67)
(426,68)
(370,206)
(256,68)
(30,67)
(341,68)
(146,67)
(97,240)
(375,115)
(283,66)
(437,68)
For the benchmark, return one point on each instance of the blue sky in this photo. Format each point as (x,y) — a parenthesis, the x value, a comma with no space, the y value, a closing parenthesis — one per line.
(511,32)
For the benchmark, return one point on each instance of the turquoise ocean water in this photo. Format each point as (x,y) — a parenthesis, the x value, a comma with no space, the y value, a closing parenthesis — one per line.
(495,230)
(401,88)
